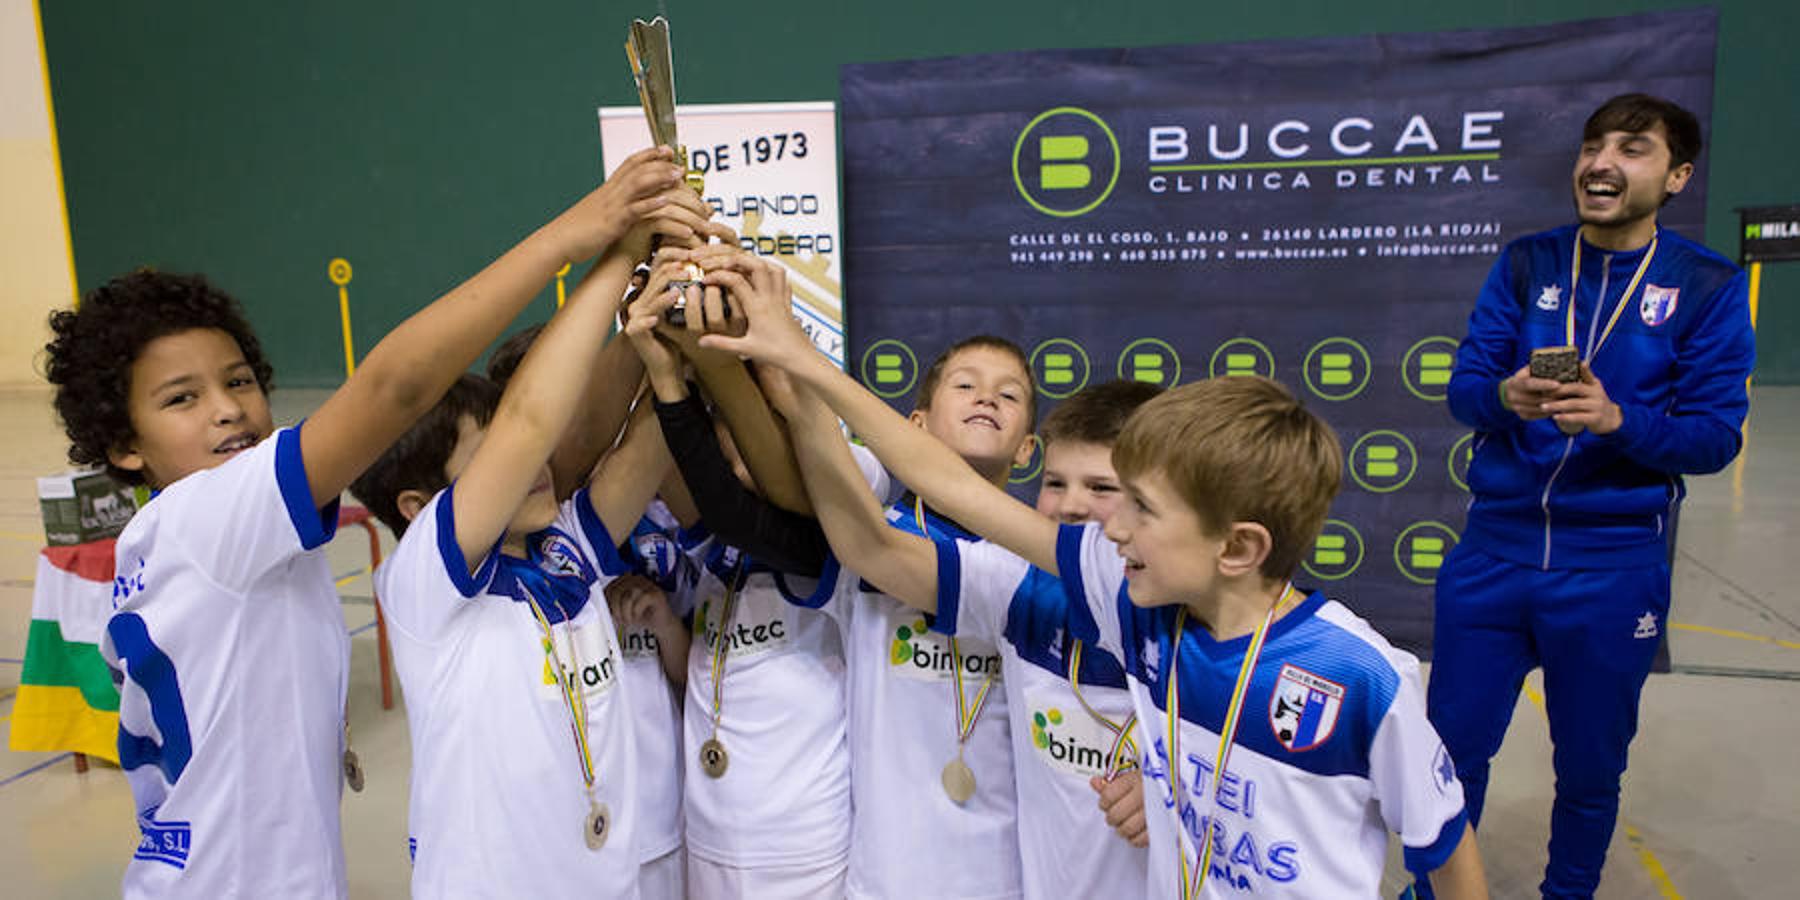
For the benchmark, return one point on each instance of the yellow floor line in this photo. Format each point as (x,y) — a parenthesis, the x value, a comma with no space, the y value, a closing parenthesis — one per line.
(1737,635)
(22,536)
(1652,866)
(349,578)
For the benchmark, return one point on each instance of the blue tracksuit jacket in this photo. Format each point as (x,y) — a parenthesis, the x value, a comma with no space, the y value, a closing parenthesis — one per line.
(1676,363)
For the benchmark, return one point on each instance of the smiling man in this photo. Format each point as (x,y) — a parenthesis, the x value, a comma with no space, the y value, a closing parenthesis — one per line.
(1564,561)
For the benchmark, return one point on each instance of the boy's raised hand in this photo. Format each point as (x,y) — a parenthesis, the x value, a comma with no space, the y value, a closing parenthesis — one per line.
(759,294)
(642,184)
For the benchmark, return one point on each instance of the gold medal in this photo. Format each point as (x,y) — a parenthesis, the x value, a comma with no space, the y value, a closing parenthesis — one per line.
(959,781)
(598,824)
(713,758)
(353,772)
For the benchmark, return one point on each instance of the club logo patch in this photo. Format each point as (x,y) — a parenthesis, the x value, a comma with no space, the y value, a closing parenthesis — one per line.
(560,557)
(1303,710)
(1550,299)
(1658,304)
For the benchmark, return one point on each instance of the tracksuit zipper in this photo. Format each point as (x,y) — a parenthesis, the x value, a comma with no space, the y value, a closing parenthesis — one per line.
(1569,442)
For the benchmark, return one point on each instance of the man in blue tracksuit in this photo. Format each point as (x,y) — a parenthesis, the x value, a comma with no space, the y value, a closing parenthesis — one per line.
(1564,560)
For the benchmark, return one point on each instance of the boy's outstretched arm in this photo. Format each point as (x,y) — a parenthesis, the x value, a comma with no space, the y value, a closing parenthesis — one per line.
(901,564)
(761,441)
(1461,877)
(931,469)
(412,367)
(540,400)
(624,482)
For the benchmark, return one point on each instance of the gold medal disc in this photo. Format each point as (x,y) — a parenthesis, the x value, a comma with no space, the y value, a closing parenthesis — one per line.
(713,758)
(959,781)
(598,824)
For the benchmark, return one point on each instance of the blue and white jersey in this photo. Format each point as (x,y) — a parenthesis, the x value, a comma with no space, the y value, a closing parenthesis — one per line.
(1065,846)
(498,801)
(784,799)
(1333,749)
(903,727)
(653,550)
(228,631)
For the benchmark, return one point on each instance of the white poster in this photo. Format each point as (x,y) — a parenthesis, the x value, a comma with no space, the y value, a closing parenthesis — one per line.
(771,174)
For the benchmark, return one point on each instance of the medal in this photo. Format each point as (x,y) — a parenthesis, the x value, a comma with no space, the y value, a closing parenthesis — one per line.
(959,781)
(353,773)
(597,825)
(713,758)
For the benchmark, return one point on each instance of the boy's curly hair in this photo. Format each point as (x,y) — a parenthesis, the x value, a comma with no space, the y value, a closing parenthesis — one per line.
(89,360)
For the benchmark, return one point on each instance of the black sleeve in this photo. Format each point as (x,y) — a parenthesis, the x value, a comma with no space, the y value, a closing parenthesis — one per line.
(786,541)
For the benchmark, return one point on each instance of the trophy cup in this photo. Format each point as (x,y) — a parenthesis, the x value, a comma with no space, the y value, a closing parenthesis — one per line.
(652,66)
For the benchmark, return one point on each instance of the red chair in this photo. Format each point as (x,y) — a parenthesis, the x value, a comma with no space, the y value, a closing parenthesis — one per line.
(356,515)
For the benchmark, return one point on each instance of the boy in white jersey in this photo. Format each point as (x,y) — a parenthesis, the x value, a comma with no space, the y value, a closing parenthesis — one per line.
(1070,714)
(652,641)
(768,813)
(524,755)
(932,762)
(227,626)
(1227,482)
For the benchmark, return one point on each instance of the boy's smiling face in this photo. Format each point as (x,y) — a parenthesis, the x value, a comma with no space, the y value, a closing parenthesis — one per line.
(1169,557)
(194,403)
(981,409)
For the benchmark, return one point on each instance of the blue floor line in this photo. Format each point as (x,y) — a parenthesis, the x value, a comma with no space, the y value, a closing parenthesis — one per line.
(16,662)
(40,766)
(362,629)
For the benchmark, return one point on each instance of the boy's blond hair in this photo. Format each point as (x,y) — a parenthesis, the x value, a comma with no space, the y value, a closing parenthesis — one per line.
(1239,449)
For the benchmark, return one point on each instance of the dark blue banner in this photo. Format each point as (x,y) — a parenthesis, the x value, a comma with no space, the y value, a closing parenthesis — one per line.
(1319,211)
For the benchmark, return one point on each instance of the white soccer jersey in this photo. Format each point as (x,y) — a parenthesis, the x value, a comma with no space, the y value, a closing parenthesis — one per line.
(235,659)
(911,839)
(498,803)
(784,799)
(652,551)
(1066,849)
(1333,749)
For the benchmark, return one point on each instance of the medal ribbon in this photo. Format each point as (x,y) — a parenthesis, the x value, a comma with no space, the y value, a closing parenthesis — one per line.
(965,718)
(1123,755)
(1575,285)
(1191,883)
(726,607)
(575,702)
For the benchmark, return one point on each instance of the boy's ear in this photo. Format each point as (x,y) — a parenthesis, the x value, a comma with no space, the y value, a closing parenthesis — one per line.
(410,501)
(1247,544)
(127,457)
(1022,456)
(917,417)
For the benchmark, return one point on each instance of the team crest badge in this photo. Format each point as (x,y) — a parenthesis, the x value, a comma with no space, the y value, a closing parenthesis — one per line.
(1304,708)
(1658,304)
(659,555)
(1550,299)
(561,558)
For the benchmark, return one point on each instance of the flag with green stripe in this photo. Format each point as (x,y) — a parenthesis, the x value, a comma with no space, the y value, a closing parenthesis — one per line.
(67,699)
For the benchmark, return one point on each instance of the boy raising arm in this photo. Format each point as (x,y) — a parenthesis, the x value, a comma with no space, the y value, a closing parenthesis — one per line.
(1226,482)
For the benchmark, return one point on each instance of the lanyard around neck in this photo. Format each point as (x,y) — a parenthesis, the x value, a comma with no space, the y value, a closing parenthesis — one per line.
(1575,287)
(1191,883)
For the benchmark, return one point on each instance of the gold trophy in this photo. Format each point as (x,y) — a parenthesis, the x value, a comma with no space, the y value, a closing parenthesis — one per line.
(652,66)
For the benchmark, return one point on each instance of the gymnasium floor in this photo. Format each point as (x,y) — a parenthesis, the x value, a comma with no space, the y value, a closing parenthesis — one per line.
(1710,810)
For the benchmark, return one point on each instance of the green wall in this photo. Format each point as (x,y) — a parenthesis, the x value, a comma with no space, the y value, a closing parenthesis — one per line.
(255,142)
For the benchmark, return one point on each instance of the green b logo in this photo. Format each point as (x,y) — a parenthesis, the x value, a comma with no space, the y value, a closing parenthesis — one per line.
(1066,162)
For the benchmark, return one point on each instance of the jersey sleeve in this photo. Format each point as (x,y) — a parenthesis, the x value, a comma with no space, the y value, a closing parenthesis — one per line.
(1414,779)
(1093,577)
(1486,355)
(239,520)
(976,584)
(576,517)
(426,581)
